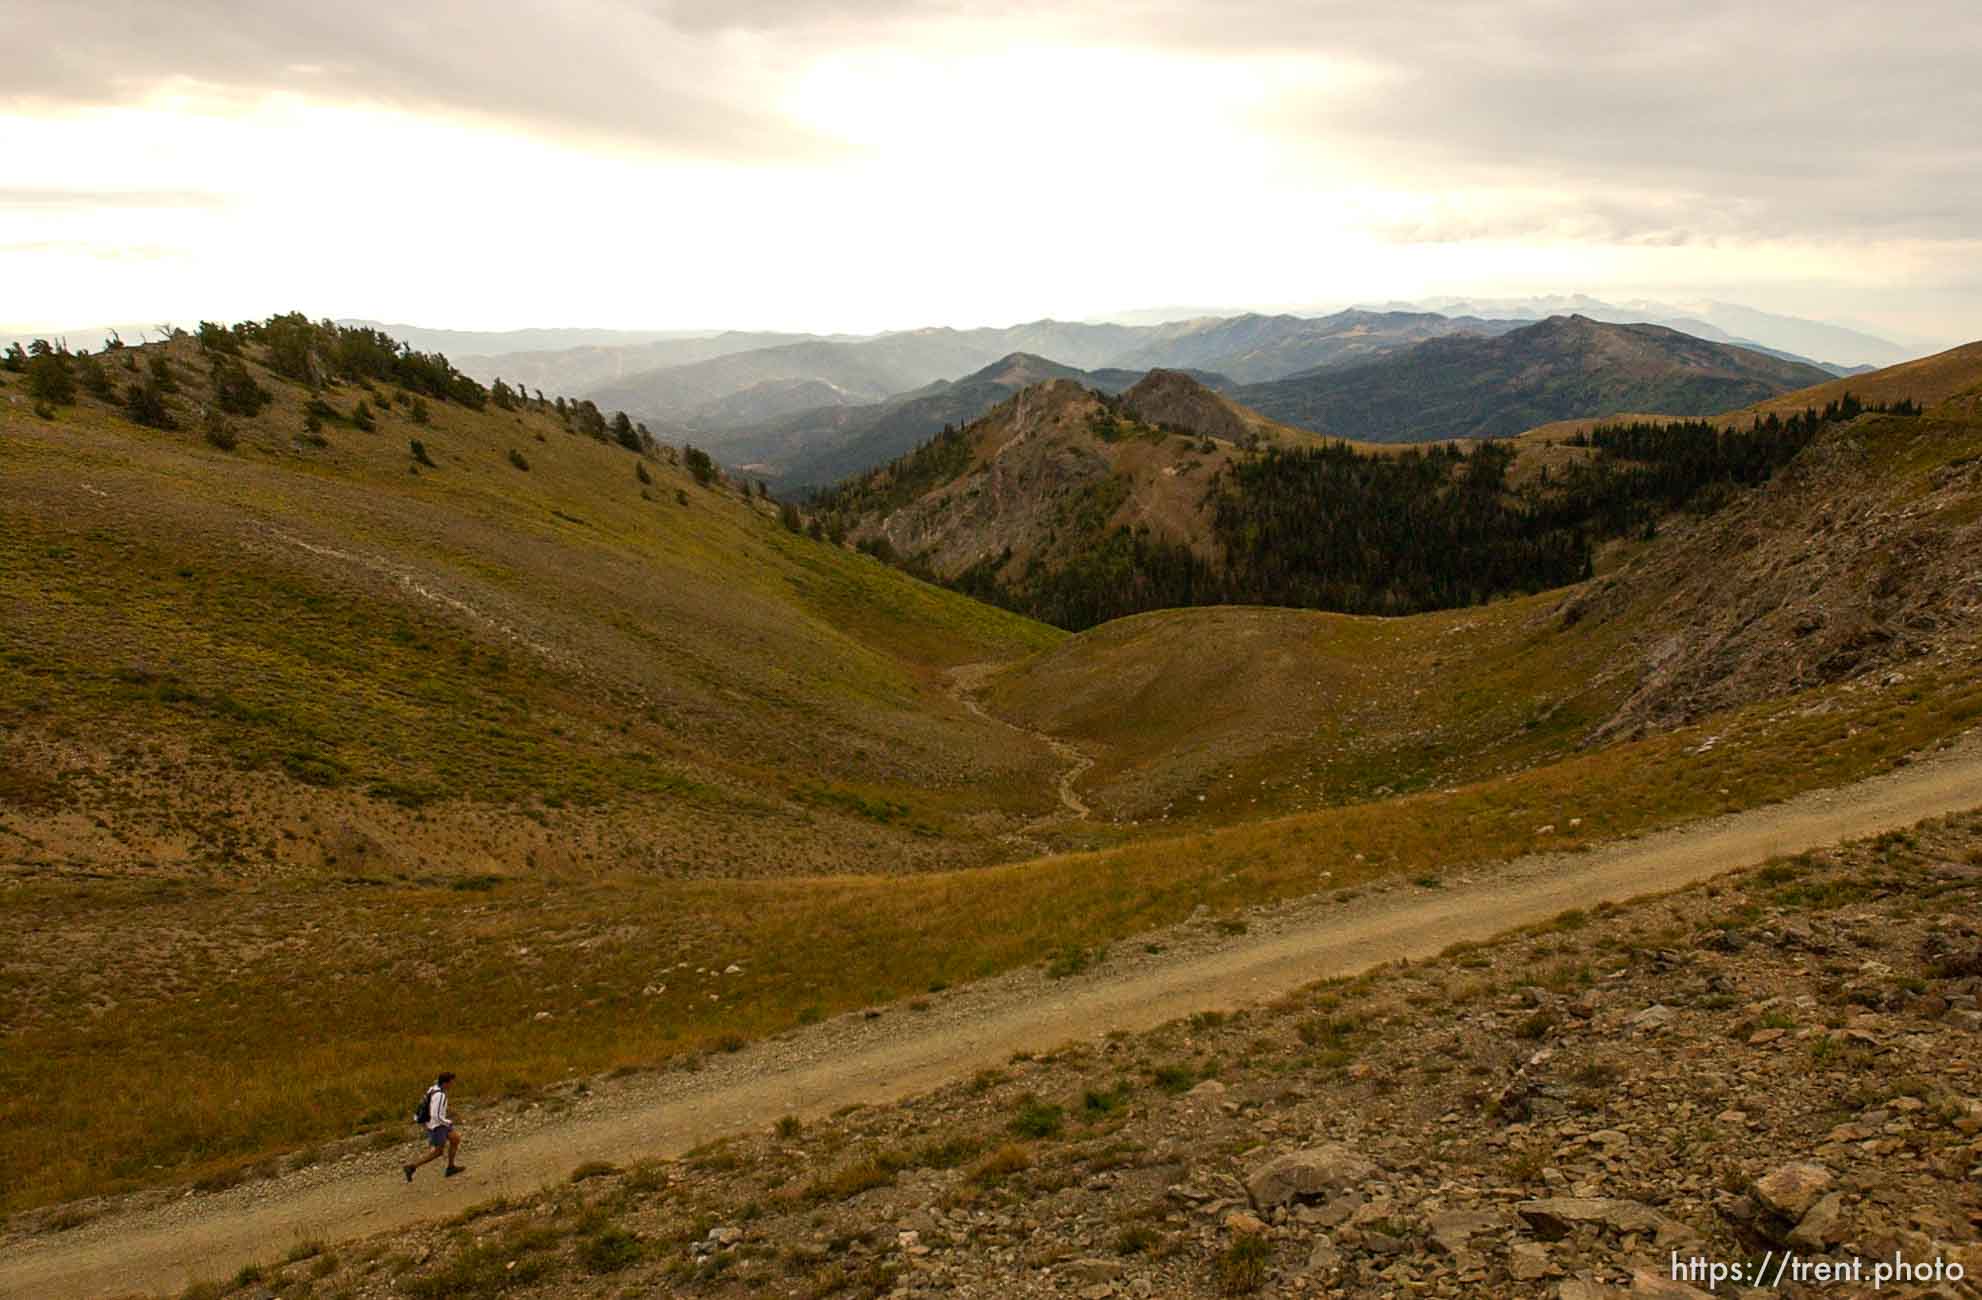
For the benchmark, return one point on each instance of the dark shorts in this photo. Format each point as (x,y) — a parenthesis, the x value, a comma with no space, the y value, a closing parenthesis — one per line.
(437,1136)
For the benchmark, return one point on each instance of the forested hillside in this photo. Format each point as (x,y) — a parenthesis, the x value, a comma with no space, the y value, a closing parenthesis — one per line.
(1045,514)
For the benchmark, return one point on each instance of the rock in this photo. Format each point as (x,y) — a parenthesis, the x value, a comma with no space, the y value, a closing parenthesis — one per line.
(1099,1291)
(1096,1270)
(1579,1290)
(1241,1224)
(1654,1287)
(1653,1019)
(1453,1232)
(1556,1217)
(1316,1171)
(1529,1261)
(1763,1037)
(1819,1229)
(1789,1191)
(1324,1258)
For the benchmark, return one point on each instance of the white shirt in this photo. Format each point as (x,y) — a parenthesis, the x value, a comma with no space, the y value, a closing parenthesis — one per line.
(436,1106)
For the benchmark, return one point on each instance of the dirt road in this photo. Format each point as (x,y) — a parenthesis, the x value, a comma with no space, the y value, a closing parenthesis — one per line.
(852,1059)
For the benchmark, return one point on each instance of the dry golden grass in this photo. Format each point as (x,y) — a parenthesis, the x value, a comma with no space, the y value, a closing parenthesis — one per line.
(314,1003)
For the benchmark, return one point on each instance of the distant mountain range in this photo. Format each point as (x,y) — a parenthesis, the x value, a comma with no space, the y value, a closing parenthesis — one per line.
(1470,386)
(1253,348)
(802,411)
(1834,347)
(762,393)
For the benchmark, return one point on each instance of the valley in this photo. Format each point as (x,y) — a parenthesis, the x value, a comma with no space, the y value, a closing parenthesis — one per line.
(310,722)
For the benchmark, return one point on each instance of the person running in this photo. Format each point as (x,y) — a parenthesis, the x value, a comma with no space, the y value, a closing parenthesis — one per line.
(440,1129)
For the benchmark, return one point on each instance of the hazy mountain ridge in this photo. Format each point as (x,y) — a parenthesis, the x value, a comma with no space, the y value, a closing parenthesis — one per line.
(814,448)
(1821,342)
(1561,368)
(1254,348)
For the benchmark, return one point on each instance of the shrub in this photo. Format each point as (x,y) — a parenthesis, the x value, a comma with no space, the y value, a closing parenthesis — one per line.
(215,337)
(235,390)
(95,380)
(1241,1268)
(419,450)
(624,433)
(1536,1026)
(361,415)
(49,378)
(217,431)
(949,1152)
(699,464)
(161,373)
(877,1170)
(610,1251)
(1037,1119)
(516,459)
(1096,1104)
(640,472)
(1000,1165)
(145,404)
(1069,962)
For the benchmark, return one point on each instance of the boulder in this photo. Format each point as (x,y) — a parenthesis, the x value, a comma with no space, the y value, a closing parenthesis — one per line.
(1312,1172)
(1789,1191)
(1819,1228)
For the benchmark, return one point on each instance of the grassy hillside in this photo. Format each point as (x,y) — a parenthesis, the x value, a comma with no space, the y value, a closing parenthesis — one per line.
(454,654)
(1561,368)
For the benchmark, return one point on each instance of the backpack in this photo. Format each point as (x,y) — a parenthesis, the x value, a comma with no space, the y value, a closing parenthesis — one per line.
(424,1111)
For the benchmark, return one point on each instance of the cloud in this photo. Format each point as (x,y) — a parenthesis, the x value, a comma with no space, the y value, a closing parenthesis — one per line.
(1771,121)
(98,200)
(596,68)
(1768,119)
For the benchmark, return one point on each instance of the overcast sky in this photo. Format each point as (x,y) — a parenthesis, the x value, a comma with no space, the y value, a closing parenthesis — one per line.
(867,164)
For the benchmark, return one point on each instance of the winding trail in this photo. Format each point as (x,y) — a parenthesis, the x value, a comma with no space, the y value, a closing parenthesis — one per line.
(817,1070)
(967,679)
